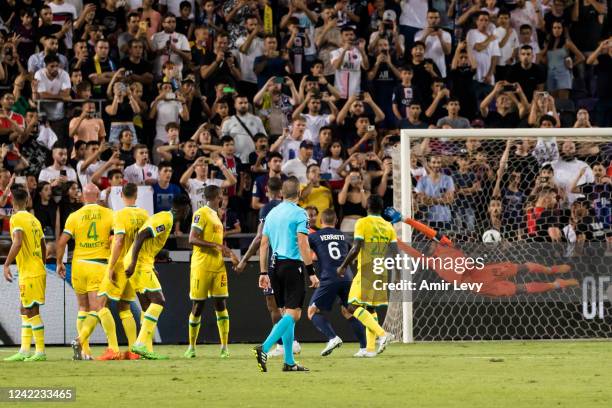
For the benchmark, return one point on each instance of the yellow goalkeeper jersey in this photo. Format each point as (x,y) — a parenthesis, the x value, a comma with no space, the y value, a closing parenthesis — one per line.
(377,234)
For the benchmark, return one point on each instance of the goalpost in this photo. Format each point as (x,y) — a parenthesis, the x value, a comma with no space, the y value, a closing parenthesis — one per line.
(413,315)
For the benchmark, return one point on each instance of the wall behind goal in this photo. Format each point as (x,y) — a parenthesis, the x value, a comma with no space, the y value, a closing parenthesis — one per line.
(250,321)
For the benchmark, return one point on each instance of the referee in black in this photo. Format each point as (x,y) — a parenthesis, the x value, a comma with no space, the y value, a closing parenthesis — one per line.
(285,233)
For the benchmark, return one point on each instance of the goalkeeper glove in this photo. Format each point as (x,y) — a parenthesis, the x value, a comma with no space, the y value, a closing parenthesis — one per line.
(392,215)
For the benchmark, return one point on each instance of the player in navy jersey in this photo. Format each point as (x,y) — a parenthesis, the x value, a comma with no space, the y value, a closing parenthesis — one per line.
(331,247)
(274,198)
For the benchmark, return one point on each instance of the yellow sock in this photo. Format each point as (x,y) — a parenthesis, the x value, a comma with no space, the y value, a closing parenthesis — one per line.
(149,342)
(194,329)
(151,316)
(89,325)
(38,332)
(108,325)
(223,325)
(26,334)
(371,336)
(129,326)
(82,315)
(368,321)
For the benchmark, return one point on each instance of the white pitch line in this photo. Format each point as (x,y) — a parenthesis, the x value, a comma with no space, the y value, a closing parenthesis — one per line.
(508,357)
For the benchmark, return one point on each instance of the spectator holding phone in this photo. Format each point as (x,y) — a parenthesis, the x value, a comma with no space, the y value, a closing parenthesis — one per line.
(510,106)
(328,37)
(250,46)
(218,66)
(437,41)
(123,108)
(271,63)
(353,200)
(276,106)
(388,30)
(168,45)
(87,127)
(168,107)
(349,60)
(136,30)
(314,119)
(59,172)
(195,185)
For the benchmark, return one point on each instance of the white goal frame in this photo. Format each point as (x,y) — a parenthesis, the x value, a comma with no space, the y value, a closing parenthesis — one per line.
(577,134)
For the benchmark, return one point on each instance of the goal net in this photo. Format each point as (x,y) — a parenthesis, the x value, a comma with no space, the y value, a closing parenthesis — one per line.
(531,208)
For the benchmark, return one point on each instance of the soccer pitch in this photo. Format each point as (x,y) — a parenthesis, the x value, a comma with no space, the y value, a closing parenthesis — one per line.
(463,374)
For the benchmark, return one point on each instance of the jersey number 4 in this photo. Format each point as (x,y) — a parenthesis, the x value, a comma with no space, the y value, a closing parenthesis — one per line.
(92,233)
(334,251)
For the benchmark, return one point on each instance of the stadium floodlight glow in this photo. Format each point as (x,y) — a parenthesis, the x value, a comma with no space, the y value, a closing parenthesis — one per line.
(401,314)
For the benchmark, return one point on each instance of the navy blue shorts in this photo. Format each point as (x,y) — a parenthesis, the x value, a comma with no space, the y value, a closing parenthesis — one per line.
(325,295)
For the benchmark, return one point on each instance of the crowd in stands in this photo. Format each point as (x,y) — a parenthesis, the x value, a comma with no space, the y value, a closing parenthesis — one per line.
(178,95)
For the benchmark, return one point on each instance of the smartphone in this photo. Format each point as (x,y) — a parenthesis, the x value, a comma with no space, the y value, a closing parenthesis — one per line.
(21,180)
(326,176)
(360,96)
(10,147)
(371,128)
(170,96)
(62,173)
(228,89)
(509,88)
(279,80)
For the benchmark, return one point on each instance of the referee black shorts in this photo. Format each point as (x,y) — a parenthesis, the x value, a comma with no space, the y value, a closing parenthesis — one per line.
(288,283)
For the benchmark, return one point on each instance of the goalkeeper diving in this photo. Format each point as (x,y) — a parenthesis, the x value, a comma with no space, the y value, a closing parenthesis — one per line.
(494,278)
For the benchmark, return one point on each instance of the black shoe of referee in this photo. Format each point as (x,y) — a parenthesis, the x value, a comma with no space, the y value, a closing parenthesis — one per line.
(295,367)
(261,357)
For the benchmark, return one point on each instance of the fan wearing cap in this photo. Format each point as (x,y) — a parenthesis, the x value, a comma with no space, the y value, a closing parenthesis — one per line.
(389,30)
(298,166)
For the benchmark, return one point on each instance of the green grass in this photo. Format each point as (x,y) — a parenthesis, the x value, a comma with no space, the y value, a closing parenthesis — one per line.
(471,374)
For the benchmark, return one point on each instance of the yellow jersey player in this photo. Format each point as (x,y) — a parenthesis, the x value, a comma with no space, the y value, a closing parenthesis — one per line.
(90,227)
(140,261)
(208,273)
(115,284)
(28,247)
(373,237)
